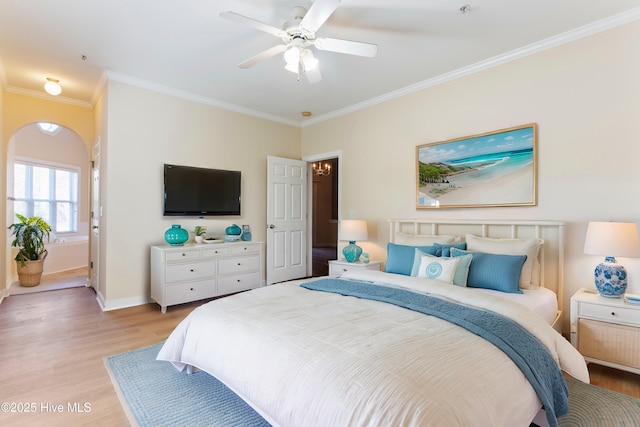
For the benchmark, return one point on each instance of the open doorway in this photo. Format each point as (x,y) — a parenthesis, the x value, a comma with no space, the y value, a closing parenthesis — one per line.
(325,215)
(47,176)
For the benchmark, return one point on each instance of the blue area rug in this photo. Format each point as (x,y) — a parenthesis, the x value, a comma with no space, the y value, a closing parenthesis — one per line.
(156,394)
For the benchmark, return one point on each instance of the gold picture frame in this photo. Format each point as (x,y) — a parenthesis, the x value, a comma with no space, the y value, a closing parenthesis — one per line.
(496,168)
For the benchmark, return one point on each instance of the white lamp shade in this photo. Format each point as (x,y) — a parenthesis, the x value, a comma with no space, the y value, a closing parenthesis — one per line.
(353,230)
(612,239)
(308,60)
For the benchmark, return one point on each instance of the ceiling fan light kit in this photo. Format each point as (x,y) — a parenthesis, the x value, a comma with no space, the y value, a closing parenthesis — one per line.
(298,35)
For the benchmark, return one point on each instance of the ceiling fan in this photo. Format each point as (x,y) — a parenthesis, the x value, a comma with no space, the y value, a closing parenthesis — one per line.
(299,34)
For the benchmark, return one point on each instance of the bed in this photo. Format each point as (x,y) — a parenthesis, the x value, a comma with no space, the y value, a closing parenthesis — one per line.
(390,348)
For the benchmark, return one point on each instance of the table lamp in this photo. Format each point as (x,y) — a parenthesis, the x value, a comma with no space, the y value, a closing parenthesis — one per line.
(352,230)
(612,239)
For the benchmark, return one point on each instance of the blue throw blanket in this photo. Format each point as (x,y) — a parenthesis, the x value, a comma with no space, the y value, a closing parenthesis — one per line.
(519,344)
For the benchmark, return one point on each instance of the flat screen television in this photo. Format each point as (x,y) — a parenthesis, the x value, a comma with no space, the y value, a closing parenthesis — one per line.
(192,191)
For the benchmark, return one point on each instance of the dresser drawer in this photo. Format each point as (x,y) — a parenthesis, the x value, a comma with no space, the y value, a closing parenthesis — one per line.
(190,271)
(337,268)
(605,313)
(214,252)
(239,265)
(231,284)
(185,292)
(610,342)
(245,249)
(182,256)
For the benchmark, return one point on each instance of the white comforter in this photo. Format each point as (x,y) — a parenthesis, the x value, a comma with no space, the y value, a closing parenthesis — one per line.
(307,358)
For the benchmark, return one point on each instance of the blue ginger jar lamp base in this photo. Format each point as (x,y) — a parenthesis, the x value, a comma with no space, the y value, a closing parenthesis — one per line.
(176,235)
(610,278)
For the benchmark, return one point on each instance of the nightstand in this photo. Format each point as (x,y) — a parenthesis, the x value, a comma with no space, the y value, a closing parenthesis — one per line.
(341,266)
(606,331)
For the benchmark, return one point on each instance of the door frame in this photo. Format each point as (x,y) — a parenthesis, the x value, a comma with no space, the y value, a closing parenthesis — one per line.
(310,159)
(95,220)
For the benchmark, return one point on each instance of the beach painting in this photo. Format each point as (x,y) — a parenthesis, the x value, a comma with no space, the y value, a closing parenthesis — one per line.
(491,169)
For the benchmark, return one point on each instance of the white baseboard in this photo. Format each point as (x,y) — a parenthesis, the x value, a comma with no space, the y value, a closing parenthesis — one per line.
(121,303)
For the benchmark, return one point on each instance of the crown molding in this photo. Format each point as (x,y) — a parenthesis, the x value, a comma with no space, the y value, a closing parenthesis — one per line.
(47,97)
(196,98)
(540,46)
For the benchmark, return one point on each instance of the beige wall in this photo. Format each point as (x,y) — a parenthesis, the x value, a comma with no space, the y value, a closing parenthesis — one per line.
(146,129)
(585,97)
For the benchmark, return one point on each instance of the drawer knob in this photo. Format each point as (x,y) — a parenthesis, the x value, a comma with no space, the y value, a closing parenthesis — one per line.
(191,270)
(344,269)
(183,254)
(191,288)
(239,264)
(613,313)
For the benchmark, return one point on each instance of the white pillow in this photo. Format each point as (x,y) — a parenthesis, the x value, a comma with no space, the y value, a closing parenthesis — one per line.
(423,239)
(529,247)
(437,268)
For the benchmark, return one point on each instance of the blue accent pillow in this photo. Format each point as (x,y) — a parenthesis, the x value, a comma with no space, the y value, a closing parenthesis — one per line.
(494,271)
(445,250)
(459,276)
(400,257)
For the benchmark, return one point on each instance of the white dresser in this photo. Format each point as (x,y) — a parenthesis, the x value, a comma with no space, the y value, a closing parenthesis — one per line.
(192,272)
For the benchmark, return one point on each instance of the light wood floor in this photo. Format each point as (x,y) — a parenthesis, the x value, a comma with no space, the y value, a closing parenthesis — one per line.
(52,346)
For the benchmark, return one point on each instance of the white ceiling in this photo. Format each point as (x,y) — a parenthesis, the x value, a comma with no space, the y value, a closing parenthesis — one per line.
(184,48)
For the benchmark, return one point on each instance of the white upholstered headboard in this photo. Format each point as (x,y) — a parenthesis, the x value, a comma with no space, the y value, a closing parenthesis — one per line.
(551,254)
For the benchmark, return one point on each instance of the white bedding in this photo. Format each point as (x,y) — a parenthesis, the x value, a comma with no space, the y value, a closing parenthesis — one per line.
(307,358)
(541,301)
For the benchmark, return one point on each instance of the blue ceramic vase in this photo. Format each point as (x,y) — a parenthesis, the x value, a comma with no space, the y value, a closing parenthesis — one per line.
(246,233)
(176,235)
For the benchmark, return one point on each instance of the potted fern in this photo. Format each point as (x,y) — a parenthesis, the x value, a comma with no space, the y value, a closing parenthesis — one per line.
(30,234)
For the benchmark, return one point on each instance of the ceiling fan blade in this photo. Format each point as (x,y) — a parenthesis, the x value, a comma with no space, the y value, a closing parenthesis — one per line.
(313,76)
(232,16)
(346,46)
(318,13)
(263,56)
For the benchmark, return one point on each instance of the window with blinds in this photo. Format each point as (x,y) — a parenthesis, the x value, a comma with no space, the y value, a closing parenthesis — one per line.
(48,192)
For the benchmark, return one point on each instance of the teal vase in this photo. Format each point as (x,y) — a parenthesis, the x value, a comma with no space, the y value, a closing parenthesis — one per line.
(352,252)
(176,235)
(233,230)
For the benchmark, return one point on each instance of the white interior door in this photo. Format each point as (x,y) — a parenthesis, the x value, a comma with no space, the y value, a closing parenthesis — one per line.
(286,219)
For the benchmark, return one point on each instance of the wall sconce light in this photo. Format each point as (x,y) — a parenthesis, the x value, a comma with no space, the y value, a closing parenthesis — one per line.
(611,239)
(52,86)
